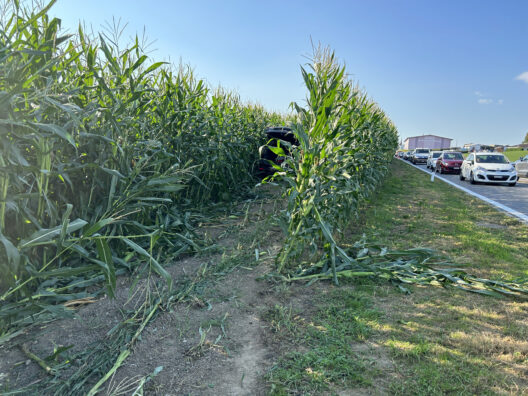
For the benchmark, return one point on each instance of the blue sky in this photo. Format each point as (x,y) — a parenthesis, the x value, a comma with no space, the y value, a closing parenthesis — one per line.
(450,68)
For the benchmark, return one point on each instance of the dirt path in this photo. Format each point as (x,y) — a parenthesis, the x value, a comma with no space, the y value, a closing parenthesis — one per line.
(211,344)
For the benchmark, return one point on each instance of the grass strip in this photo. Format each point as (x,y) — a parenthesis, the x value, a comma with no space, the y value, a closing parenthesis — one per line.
(321,356)
(436,340)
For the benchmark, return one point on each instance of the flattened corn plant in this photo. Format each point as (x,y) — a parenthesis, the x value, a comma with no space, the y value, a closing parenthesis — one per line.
(105,160)
(346,145)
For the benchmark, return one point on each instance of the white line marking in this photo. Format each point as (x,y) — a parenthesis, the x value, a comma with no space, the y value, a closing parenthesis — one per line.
(498,205)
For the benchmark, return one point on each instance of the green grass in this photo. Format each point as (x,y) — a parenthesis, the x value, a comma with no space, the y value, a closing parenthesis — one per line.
(410,210)
(326,358)
(436,340)
(514,155)
(442,340)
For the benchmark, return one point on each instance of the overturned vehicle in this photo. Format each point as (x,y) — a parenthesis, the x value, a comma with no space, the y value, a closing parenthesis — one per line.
(275,151)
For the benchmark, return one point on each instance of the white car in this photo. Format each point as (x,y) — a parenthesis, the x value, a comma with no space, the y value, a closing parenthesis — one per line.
(521,166)
(431,160)
(488,168)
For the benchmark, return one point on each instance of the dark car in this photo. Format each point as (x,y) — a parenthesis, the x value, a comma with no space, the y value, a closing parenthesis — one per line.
(282,137)
(449,162)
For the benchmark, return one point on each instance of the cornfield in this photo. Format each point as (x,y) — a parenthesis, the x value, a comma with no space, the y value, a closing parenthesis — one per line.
(346,145)
(106,159)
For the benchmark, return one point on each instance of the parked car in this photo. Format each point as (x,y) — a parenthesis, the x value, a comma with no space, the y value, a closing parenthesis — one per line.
(406,155)
(431,160)
(419,156)
(521,166)
(488,168)
(449,162)
(278,137)
(400,154)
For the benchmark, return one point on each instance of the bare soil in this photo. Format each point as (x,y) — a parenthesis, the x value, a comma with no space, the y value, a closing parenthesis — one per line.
(216,344)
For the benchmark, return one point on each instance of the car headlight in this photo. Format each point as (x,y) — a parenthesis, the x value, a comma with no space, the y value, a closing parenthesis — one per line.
(479,168)
(512,168)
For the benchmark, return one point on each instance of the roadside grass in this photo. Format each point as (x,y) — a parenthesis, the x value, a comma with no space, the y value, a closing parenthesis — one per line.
(409,211)
(514,155)
(323,356)
(433,341)
(447,340)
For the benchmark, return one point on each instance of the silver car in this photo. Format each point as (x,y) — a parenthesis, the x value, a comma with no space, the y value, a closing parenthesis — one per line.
(521,166)
(420,155)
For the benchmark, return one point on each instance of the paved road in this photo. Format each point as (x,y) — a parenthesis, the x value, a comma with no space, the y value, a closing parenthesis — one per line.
(512,197)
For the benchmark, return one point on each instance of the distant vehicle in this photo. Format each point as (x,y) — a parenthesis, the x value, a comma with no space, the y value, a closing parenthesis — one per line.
(488,168)
(480,148)
(431,160)
(420,155)
(278,138)
(521,166)
(406,155)
(400,154)
(449,162)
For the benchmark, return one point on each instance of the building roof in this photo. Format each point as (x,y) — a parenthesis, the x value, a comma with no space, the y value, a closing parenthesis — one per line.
(419,136)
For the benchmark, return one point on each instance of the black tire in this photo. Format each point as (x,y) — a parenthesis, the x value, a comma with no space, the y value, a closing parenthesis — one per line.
(472,179)
(461,177)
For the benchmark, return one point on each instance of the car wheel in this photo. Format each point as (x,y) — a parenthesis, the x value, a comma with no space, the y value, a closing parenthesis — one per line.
(461,177)
(472,179)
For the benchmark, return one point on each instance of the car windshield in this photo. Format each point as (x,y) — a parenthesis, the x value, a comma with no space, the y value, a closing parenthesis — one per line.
(453,156)
(491,159)
(436,155)
(422,151)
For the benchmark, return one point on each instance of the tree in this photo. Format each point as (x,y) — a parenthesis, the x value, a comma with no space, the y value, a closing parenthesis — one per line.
(526,138)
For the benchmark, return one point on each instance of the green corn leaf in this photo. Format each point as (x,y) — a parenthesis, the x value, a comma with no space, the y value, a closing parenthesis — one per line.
(105,255)
(97,226)
(153,262)
(66,272)
(13,255)
(65,223)
(56,130)
(46,235)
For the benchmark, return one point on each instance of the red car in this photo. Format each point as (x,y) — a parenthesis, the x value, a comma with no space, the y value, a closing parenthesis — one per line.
(449,162)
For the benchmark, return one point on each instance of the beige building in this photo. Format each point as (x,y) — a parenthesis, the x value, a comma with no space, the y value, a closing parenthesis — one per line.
(427,141)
